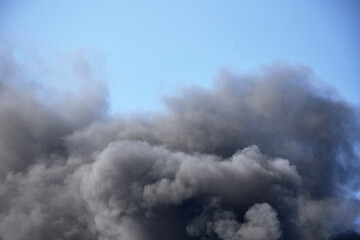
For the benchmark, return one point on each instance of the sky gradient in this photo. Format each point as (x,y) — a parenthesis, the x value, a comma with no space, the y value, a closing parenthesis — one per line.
(148,49)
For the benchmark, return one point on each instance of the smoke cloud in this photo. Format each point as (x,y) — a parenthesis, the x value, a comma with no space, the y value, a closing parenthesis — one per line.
(265,155)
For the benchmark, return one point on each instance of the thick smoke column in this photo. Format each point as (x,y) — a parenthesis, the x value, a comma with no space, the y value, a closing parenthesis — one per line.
(259,156)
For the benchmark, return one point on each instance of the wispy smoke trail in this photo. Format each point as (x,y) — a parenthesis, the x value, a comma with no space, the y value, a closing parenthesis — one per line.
(259,156)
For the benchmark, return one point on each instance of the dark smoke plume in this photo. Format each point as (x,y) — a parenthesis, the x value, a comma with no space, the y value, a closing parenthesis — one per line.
(262,156)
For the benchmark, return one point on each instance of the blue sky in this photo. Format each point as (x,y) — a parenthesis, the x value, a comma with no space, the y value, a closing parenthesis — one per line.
(147,49)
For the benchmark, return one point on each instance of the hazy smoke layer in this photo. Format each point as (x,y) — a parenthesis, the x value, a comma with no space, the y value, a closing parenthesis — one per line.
(263,156)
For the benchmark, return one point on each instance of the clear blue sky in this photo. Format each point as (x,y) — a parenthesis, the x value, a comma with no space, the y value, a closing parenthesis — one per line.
(149,48)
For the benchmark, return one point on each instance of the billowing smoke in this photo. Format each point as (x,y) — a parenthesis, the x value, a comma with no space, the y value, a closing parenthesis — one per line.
(262,156)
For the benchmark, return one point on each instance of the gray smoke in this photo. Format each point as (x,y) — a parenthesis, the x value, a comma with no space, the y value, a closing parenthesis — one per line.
(260,156)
